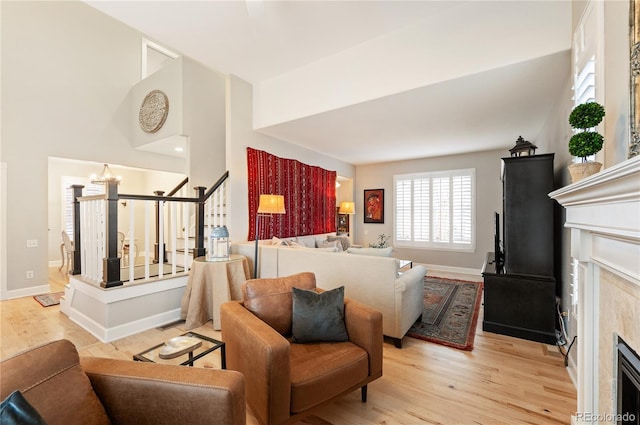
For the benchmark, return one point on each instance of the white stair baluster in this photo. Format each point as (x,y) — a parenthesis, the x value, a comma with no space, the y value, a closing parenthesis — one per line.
(173,226)
(132,233)
(147,234)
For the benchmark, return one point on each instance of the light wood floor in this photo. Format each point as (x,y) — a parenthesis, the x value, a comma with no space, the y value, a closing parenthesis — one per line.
(503,380)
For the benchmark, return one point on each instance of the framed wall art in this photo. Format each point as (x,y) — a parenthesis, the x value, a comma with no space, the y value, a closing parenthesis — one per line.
(374,206)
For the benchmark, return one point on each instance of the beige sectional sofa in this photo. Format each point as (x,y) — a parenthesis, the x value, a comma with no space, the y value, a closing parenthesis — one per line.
(372,280)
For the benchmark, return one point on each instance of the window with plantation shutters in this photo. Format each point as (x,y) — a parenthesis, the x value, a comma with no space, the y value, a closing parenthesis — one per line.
(67,197)
(435,210)
(587,52)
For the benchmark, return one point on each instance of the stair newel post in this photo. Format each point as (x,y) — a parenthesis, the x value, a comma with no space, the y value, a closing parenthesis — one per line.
(198,250)
(77,245)
(156,247)
(111,263)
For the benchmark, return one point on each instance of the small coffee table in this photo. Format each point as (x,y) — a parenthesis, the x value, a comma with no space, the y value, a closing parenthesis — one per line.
(201,346)
(404,263)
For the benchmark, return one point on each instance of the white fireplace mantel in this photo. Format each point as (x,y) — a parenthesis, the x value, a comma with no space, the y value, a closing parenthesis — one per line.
(603,213)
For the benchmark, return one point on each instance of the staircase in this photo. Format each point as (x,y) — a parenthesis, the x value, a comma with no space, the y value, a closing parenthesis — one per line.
(101,296)
(215,215)
(97,258)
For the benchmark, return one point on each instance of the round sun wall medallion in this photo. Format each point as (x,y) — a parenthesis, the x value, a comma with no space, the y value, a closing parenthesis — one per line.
(153,111)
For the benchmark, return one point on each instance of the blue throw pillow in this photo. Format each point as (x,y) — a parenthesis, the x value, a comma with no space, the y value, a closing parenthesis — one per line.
(16,410)
(318,317)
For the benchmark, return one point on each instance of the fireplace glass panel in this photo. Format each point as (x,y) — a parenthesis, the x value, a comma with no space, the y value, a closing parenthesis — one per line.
(628,385)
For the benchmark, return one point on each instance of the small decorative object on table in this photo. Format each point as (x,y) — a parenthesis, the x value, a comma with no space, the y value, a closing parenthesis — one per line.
(218,244)
(195,345)
(178,346)
(383,241)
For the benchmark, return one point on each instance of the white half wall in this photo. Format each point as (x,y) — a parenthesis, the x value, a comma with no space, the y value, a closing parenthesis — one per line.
(115,313)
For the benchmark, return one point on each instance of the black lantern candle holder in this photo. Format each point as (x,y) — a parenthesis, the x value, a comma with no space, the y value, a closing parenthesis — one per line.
(523,148)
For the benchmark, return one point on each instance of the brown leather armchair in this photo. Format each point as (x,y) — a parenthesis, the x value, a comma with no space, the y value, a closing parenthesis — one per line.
(67,390)
(286,381)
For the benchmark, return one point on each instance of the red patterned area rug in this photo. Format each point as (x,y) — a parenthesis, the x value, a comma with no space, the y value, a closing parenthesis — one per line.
(450,312)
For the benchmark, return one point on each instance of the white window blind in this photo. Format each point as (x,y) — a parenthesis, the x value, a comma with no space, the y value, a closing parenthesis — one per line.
(435,210)
(588,40)
(585,83)
(67,198)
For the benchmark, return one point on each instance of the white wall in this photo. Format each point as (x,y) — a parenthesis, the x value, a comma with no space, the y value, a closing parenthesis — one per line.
(240,135)
(616,78)
(488,200)
(169,80)
(196,113)
(416,56)
(66,73)
(204,122)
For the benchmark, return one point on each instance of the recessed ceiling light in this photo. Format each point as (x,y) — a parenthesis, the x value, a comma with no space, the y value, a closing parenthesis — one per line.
(178,149)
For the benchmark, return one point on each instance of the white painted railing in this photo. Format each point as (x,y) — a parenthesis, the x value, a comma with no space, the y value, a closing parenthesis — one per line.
(137,223)
(215,210)
(93,233)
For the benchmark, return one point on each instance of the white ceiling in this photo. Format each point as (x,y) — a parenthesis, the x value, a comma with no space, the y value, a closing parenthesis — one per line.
(257,40)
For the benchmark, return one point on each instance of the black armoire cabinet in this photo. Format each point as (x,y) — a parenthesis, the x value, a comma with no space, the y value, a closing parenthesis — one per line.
(519,298)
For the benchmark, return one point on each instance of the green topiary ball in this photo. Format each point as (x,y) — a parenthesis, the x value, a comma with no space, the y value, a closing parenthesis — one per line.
(586,115)
(585,144)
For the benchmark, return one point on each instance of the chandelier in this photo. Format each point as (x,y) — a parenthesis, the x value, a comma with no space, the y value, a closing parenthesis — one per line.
(106,177)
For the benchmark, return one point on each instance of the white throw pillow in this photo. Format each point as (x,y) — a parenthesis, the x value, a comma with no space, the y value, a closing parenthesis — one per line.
(330,249)
(299,246)
(308,241)
(379,252)
(333,244)
(344,241)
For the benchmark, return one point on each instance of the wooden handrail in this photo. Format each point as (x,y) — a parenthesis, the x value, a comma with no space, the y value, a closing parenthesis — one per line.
(216,185)
(178,187)
(156,198)
(111,263)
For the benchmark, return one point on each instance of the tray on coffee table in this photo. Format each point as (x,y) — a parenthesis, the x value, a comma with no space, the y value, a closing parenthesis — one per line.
(194,345)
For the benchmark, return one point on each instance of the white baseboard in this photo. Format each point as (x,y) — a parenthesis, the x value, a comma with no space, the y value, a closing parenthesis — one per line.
(26,292)
(106,335)
(432,268)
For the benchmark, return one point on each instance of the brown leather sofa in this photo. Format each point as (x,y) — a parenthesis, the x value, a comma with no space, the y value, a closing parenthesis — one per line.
(67,390)
(285,380)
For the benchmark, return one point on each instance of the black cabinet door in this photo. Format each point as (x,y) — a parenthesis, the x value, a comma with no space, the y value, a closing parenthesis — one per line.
(520,306)
(517,305)
(528,215)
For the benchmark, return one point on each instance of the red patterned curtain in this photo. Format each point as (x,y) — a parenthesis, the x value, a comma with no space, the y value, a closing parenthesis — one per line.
(309,196)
